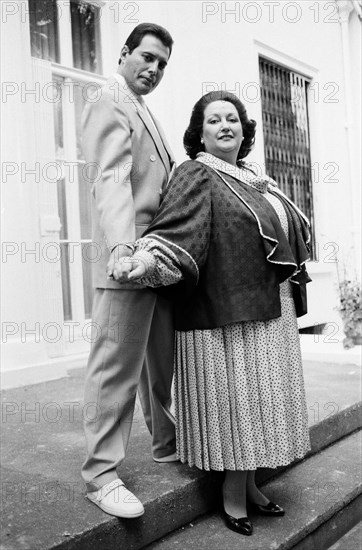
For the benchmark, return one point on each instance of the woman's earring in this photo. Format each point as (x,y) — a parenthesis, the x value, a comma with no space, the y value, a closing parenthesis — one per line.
(202,140)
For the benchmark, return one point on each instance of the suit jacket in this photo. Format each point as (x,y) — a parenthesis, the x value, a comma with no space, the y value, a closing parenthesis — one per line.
(128,166)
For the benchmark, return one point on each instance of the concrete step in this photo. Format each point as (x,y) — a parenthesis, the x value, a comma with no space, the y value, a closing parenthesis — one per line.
(352,540)
(322,497)
(43,502)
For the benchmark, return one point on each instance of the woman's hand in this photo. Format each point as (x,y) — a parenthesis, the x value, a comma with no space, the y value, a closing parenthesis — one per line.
(129,268)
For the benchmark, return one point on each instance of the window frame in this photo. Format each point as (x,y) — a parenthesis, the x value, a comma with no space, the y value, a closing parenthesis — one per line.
(65,71)
(72,189)
(300,196)
(261,49)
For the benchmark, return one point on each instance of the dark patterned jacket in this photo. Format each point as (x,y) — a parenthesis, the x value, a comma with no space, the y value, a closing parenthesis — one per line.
(231,247)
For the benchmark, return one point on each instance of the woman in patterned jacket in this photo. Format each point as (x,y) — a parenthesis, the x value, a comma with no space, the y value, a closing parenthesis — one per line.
(230,249)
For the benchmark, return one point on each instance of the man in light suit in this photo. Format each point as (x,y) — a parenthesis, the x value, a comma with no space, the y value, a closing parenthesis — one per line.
(133,342)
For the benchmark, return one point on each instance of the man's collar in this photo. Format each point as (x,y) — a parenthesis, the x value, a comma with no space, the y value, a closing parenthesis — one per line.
(136,99)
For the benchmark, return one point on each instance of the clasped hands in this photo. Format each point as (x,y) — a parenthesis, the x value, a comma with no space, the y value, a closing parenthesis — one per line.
(123,267)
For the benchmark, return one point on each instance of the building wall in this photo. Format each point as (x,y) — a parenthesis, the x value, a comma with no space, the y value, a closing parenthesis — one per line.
(216,45)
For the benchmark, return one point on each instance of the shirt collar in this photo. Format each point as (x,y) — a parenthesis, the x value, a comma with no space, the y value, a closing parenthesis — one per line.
(245,173)
(137,100)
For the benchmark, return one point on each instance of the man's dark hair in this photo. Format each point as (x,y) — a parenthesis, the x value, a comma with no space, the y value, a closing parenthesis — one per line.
(192,137)
(136,36)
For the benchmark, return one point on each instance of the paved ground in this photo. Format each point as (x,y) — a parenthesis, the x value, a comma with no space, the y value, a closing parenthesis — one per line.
(351,541)
(43,449)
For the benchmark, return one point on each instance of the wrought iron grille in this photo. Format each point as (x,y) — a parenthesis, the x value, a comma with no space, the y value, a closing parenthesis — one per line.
(286,133)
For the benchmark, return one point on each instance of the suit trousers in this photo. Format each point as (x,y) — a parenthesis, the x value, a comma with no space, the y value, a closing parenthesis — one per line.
(132,348)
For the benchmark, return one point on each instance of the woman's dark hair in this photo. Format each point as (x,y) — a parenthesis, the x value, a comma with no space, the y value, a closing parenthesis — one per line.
(136,36)
(192,136)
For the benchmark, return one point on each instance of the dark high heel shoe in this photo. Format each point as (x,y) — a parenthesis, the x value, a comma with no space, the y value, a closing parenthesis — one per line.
(243,526)
(270,509)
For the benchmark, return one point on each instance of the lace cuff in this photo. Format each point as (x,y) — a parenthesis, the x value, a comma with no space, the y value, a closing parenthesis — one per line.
(162,264)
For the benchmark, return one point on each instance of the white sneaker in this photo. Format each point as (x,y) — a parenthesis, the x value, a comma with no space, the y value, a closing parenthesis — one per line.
(115,499)
(168,458)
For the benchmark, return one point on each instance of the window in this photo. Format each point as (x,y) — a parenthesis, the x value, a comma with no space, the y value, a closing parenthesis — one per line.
(85,36)
(84,18)
(74,205)
(286,132)
(75,63)
(44,30)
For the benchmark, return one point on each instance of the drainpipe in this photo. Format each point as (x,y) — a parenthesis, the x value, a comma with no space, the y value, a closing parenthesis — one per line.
(345,8)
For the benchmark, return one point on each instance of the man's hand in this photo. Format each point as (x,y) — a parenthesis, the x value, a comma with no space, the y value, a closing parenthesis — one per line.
(117,254)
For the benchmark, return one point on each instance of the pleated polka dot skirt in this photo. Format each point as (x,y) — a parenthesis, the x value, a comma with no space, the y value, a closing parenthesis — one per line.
(239,393)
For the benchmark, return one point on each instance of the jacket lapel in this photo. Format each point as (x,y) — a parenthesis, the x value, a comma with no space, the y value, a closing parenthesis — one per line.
(163,138)
(161,143)
(161,148)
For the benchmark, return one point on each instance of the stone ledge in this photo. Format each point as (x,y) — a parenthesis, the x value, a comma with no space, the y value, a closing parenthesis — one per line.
(321,496)
(43,498)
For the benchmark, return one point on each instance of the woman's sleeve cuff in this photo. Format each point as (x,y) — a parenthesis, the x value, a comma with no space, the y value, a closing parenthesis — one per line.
(147,259)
